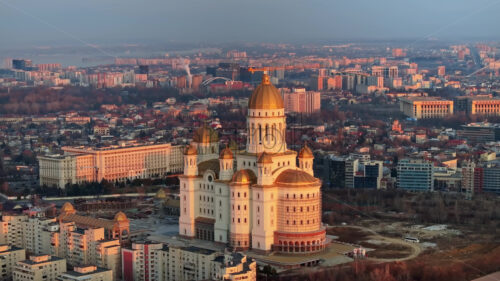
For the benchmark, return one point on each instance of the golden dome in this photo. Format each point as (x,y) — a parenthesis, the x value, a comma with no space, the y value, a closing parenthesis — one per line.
(190,150)
(306,152)
(121,217)
(68,208)
(161,194)
(292,177)
(265,96)
(226,154)
(205,134)
(265,158)
(244,177)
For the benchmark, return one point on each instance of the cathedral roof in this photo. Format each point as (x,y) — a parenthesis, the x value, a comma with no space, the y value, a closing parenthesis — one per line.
(265,158)
(212,164)
(291,177)
(306,152)
(205,134)
(265,96)
(244,177)
(226,154)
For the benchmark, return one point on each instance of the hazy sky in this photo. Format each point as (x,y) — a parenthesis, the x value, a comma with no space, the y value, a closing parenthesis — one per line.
(24,23)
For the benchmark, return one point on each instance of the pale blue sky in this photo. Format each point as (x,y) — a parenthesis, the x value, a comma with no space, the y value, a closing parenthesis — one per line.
(24,23)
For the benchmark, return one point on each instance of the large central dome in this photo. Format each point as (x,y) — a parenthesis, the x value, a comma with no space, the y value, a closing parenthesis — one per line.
(265,96)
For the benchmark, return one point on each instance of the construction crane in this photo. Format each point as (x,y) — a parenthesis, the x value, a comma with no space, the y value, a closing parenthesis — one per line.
(284,67)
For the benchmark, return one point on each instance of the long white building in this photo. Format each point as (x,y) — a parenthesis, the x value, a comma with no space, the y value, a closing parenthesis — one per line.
(115,163)
(258,198)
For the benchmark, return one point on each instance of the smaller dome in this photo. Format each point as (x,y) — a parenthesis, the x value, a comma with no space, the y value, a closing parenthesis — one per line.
(205,134)
(67,208)
(244,177)
(121,217)
(306,152)
(190,150)
(265,158)
(292,177)
(226,154)
(161,194)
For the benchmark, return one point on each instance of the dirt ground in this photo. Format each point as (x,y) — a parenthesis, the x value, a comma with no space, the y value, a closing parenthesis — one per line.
(379,248)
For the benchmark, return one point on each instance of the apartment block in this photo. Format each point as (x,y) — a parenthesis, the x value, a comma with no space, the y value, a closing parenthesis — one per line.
(9,256)
(146,261)
(39,268)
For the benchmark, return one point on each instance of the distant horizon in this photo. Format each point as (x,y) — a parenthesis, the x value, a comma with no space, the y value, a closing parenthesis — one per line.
(29,23)
(90,43)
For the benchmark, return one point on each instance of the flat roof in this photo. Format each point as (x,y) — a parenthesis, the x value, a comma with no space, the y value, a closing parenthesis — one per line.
(79,274)
(51,259)
(198,250)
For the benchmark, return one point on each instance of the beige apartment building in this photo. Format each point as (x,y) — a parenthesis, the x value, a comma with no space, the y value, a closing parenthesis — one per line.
(39,268)
(87,273)
(28,233)
(302,101)
(78,239)
(149,261)
(82,246)
(113,163)
(426,107)
(9,256)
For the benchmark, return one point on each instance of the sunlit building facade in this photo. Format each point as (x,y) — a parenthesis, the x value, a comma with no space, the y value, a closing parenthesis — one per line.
(86,164)
(426,107)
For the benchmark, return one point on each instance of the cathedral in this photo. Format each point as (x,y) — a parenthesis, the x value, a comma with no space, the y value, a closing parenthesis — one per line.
(263,198)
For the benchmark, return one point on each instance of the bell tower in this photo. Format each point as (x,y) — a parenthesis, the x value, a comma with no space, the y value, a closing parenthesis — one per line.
(266,121)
